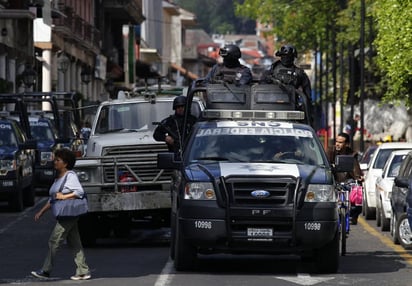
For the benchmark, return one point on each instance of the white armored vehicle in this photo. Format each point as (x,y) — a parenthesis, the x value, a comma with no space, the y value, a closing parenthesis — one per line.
(119,171)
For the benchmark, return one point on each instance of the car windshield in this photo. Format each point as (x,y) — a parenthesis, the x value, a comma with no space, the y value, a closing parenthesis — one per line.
(395,165)
(7,136)
(366,157)
(256,144)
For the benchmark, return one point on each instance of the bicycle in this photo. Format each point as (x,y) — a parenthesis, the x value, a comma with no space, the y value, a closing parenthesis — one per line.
(344,213)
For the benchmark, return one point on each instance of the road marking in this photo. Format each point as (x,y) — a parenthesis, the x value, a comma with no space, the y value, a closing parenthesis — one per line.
(20,217)
(166,276)
(385,240)
(305,279)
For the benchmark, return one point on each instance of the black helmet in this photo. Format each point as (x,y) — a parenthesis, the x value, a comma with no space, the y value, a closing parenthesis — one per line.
(230,51)
(287,50)
(179,101)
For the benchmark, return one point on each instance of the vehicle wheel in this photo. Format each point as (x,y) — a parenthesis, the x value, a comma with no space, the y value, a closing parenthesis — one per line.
(342,230)
(385,222)
(392,229)
(404,232)
(327,257)
(363,205)
(172,235)
(369,212)
(185,254)
(29,196)
(378,216)
(122,227)
(16,201)
(88,229)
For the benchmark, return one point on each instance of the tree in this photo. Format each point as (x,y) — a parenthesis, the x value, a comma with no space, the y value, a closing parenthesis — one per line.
(218,16)
(394,45)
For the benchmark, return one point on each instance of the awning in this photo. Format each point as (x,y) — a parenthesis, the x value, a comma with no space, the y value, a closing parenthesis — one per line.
(184,71)
(149,56)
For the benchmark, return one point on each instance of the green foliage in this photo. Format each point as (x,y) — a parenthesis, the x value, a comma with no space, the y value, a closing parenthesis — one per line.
(218,16)
(394,46)
(301,22)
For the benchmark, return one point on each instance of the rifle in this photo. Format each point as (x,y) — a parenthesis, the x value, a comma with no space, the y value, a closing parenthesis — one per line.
(169,131)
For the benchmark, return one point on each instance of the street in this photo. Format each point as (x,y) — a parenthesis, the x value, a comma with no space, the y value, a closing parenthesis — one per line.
(143,259)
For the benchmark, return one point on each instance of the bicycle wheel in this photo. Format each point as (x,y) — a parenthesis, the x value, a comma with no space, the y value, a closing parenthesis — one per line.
(342,218)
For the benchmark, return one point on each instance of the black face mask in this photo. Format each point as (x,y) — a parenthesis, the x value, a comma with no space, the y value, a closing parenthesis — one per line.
(287,61)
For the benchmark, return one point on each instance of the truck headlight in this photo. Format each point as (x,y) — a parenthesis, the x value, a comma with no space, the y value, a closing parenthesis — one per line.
(8,165)
(199,191)
(46,157)
(320,193)
(83,176)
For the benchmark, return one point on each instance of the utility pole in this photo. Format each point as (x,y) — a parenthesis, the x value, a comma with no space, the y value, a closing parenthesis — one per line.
(362,73)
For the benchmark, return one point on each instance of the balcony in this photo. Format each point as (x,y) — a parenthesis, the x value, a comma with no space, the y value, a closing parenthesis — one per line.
(73,27)
(128,10)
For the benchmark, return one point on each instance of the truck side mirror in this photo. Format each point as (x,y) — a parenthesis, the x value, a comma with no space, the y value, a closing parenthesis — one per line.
(168,161)
(401,182)
(344,163)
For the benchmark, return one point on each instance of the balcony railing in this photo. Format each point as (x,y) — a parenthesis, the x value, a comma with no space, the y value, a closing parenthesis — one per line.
(73,26)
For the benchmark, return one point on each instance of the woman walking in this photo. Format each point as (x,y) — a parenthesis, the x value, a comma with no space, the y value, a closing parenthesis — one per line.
(65,187)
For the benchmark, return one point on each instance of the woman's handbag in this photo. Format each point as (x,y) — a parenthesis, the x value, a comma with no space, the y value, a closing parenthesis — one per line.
(70,207)
(356,195)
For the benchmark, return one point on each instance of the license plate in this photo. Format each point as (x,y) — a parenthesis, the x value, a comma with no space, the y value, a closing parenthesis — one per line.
(260,232)
(7,183)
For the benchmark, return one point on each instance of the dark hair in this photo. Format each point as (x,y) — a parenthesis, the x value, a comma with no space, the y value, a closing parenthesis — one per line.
(67,156)
(346,136)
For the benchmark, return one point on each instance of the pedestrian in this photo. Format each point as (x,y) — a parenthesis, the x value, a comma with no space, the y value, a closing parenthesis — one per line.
(342,147)
(170,129)
(230,70)
(85,131)
(65,187)
(352,126)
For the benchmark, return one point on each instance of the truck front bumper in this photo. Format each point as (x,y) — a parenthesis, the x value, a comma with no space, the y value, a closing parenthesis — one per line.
(117,201)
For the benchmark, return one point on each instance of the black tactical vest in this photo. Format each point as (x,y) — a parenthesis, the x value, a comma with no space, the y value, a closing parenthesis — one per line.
(226,74)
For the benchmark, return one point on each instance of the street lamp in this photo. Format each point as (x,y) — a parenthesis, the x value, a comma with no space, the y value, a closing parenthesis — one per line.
(86,75)
(63,62)
(29,76)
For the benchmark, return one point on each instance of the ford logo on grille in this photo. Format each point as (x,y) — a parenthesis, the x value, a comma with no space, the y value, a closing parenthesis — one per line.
(260,194)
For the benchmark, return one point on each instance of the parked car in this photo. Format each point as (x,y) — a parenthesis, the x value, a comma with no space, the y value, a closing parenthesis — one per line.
(399,225)
(375,166)
(16,164)
(366,157)
(384,188)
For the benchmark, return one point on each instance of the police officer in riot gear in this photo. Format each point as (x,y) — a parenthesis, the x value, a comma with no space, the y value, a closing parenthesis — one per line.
(170,129)
(288,73)
(231,70)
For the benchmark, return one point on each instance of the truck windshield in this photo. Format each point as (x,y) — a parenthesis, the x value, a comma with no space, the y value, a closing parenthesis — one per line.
(256,144)
(138,116)
(42,131)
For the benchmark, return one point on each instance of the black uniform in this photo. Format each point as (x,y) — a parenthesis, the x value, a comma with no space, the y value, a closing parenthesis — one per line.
(173,126)
(231,70)
(292,75)
(230,73)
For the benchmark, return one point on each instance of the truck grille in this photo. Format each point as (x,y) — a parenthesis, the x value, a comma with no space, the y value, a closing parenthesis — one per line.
(280,191)
(141,159)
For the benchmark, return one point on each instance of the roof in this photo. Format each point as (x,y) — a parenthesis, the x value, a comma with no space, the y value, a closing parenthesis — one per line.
(395,145)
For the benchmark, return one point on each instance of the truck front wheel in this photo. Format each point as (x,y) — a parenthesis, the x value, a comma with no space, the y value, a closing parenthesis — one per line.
(185,254)
(88,229)
(327,257)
